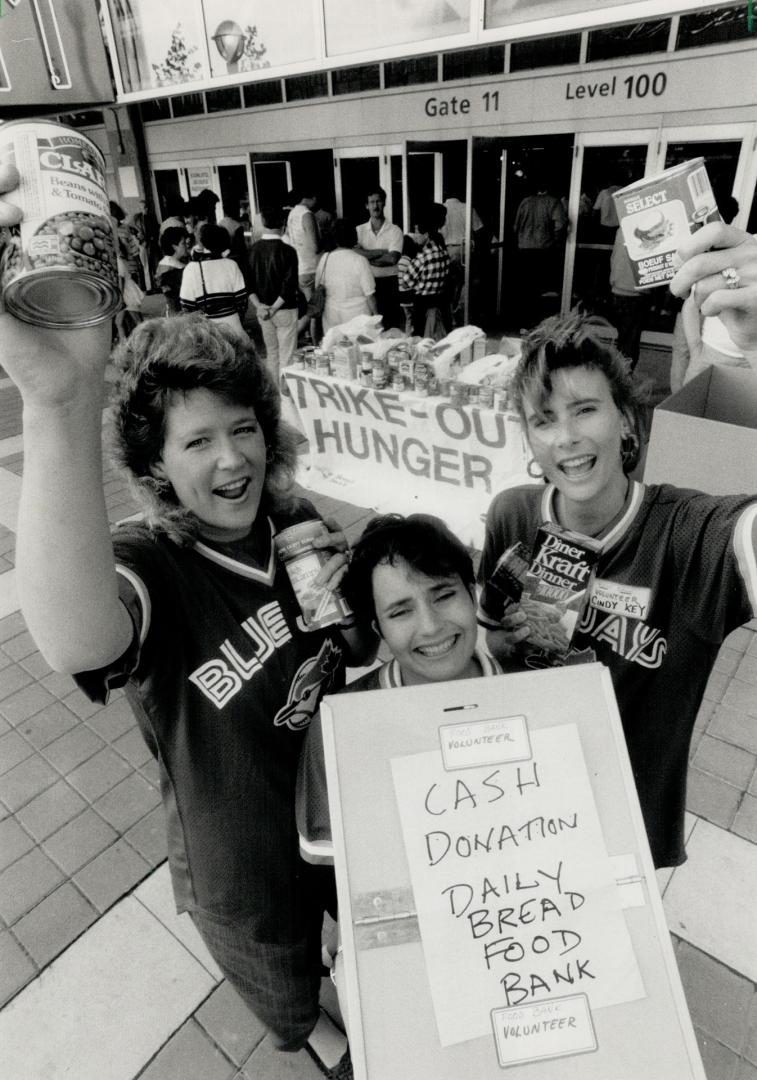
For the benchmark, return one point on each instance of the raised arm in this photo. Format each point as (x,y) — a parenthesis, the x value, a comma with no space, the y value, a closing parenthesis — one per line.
(64,556)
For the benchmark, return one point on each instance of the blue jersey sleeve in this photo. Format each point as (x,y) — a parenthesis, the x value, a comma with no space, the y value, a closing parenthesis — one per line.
(715,564)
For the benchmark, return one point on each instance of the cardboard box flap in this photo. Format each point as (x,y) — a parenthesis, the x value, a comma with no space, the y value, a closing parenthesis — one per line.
(705,436)
(732,397)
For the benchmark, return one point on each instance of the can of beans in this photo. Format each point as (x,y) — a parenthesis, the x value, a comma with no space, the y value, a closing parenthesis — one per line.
(320,607)
(58,267)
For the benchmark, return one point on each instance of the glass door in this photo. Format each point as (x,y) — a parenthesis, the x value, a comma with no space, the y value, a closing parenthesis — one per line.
(360,170)
(518,185)
(271,181)
(424,181)
(602,164)
(279,178)
(235,184)
(170,188)
(437,172)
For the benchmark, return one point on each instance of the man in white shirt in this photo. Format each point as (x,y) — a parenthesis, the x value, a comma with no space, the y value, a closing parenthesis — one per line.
(380,243)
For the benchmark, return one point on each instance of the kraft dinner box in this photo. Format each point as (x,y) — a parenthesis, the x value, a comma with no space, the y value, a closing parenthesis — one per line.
(705,436)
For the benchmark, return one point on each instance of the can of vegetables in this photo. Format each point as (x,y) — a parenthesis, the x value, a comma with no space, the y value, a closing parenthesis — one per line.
(58,268)
(294,546)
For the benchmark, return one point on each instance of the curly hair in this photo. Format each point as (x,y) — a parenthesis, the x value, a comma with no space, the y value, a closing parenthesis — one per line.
(164,357)
(578,340)
(421,540)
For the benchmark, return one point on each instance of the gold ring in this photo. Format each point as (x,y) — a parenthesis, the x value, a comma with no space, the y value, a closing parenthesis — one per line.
(732,279)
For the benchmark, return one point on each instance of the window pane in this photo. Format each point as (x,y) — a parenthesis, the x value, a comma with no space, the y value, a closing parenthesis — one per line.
(353,26)
(545,52)
(262,93)
(510,12)
(632,39)
(159,109)
(419,69)
(301,87)
(466,65)
(353,80)
(82,119)
(227,97)
(713,26)
(187,104)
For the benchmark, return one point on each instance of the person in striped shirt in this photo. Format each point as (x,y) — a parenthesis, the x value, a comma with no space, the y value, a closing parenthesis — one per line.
(215,285)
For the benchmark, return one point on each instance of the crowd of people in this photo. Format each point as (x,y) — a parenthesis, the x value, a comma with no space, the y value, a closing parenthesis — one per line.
(190,611)
(292,251)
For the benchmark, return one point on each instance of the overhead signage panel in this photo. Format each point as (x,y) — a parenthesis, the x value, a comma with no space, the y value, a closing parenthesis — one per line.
(159,45)
(356,26)
(508,12)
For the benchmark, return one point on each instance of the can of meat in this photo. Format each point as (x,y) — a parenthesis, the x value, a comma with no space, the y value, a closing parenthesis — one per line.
(58,267)
(320,607)
(658,213)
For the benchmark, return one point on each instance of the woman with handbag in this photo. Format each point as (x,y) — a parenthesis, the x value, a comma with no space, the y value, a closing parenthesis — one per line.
(346,279)
(215,285)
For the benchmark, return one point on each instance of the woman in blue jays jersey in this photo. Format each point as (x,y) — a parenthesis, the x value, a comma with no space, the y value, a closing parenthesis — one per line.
(189,609)
(677,570)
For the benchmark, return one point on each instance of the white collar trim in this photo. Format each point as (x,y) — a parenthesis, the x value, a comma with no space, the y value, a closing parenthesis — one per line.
(390,676)
(609,540)
(265,577)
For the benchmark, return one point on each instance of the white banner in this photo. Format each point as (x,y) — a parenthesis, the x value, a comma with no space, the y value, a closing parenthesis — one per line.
(407,454)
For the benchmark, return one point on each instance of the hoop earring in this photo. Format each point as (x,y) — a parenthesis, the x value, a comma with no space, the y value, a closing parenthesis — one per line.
(629,447)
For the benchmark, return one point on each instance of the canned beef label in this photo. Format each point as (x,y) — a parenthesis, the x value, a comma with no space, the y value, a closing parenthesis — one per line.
(657,214)
(58,267)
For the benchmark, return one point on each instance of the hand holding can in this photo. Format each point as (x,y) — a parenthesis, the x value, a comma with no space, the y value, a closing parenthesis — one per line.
(47,365)
(315,569)
(58,265)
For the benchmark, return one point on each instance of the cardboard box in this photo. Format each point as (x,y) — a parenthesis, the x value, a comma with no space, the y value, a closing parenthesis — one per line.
(705,436)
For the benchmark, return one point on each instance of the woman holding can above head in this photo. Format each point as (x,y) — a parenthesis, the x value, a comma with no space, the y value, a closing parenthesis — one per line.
(676,573)
(190,611)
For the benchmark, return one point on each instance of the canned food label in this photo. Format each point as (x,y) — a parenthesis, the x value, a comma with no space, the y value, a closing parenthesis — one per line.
(658,214)
(320,606)
(66,225)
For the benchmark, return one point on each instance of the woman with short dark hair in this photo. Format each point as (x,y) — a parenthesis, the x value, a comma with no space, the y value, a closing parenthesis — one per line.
(677,570)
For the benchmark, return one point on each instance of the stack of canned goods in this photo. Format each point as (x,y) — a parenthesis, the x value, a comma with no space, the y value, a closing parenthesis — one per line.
(401,369)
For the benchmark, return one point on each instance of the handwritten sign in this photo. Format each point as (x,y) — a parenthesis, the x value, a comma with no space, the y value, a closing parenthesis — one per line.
(407,453)
(515,894)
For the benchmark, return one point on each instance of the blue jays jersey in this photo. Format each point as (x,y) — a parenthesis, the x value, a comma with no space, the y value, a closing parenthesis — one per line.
(676,574)
(224,681)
